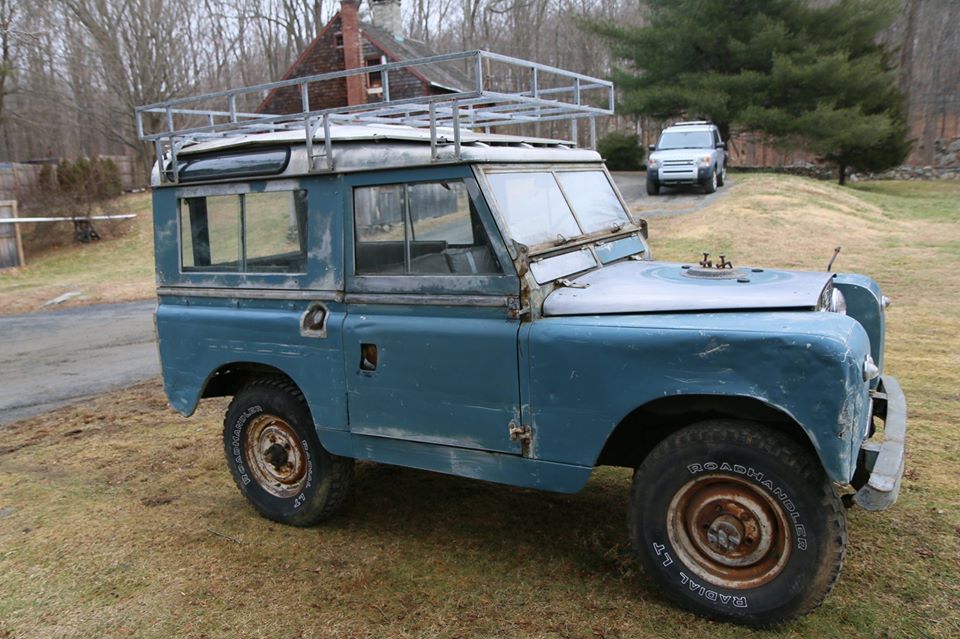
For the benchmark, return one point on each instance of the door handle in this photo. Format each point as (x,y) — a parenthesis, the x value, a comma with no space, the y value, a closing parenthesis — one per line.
(368,357)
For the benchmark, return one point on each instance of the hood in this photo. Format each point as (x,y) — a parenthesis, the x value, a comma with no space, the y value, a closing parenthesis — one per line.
(680,154)
(656,287)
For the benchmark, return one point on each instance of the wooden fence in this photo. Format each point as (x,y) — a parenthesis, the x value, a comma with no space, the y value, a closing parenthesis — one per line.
(17,180)
(11,248)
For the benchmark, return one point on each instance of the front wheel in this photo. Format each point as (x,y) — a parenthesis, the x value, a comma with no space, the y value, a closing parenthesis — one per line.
(710,186)
(276,459)
(722,178)
(653,188)
(737,522)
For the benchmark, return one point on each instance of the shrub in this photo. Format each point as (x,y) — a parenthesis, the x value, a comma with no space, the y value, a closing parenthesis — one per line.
(77,189)
(621,151)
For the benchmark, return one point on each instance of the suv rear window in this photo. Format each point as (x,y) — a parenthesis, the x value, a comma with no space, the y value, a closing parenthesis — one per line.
(244,233)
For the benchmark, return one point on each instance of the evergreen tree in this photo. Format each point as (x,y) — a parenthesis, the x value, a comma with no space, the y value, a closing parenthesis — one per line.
(812,77)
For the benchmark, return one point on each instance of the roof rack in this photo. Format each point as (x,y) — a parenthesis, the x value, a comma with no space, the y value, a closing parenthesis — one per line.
(534,93)
(693,123)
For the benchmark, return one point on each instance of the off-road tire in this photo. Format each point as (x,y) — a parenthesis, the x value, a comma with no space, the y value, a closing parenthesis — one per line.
(325,481)
(728,457)
(711,183)
(653,188)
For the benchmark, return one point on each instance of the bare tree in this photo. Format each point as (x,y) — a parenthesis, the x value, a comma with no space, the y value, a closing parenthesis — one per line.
(73,71)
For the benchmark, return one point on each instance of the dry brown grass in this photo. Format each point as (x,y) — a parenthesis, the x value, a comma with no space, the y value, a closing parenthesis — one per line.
(118,517)
(117,269)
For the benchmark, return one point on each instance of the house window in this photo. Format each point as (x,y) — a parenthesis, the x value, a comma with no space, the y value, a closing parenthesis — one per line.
(338,40)
(375,78)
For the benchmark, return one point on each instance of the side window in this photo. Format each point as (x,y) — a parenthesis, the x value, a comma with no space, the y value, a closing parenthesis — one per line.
(716,137)
(210,233)
(274,225)
(245,233)
(422,228)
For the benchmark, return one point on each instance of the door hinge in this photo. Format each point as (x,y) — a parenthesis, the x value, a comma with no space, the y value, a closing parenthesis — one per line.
(522,434)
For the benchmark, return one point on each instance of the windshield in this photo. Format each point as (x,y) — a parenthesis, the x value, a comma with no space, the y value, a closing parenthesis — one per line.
(544,206)
(685,140)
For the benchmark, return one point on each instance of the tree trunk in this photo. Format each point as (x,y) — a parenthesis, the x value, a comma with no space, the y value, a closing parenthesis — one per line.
(843,174)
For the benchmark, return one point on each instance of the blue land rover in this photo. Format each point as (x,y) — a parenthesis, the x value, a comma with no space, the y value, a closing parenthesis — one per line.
(431,295)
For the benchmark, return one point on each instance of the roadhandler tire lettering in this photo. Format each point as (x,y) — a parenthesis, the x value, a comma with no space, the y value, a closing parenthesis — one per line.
(235,441)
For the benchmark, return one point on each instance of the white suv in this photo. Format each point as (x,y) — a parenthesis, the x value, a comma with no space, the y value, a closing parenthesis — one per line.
(687,153)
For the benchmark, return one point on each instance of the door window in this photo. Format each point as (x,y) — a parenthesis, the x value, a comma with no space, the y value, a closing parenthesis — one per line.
(422,228)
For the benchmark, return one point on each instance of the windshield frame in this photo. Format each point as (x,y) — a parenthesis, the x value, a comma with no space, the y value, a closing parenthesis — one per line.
(483,171)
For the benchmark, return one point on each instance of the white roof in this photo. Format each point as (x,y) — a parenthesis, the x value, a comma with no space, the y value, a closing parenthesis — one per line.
(376,147)
(369,132)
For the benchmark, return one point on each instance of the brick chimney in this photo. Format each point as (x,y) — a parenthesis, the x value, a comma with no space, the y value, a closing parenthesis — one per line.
(352,58)
(386,15)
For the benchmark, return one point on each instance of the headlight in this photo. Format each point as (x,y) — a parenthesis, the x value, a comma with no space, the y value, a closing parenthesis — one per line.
(704,162)
(831,299)
(653,164)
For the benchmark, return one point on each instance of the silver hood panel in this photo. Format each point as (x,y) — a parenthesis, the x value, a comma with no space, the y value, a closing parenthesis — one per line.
(656,287)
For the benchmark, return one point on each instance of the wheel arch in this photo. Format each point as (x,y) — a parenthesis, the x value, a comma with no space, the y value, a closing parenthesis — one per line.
(185,389)
(228,379)
(636,435)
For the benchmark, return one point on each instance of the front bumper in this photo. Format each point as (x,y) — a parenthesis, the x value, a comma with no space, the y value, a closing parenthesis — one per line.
(884,460)
(684,174)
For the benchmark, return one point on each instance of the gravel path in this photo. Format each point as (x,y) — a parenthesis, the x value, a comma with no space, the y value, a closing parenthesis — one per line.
(48,359)
(671,201)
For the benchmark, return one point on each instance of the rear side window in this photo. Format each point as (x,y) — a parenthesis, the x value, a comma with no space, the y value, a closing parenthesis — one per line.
(245,233)
(423,228)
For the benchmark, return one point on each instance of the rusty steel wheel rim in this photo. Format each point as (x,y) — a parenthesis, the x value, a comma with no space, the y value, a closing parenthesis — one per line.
(729,531)
(275,455)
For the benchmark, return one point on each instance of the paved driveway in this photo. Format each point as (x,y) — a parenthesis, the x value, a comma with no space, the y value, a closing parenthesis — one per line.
(51,358)
(671,201)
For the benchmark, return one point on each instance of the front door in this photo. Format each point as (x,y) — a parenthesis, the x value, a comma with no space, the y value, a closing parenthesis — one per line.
(431,350)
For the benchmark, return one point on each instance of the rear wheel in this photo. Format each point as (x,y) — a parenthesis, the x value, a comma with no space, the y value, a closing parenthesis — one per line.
(276,459)
(737,522)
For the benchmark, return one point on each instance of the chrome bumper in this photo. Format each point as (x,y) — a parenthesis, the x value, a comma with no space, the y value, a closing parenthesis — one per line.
(884,460)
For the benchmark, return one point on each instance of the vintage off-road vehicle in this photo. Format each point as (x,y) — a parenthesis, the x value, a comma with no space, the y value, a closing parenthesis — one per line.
(391,282)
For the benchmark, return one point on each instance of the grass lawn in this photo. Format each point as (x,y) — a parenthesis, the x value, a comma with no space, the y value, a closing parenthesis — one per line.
(118,518)
(116,269)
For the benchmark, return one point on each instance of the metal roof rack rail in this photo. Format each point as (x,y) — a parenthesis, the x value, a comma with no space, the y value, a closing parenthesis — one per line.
(503,91)
(693,123)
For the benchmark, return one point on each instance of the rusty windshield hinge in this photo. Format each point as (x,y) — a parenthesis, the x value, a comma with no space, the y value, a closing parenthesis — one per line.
(522,434)
(565,283)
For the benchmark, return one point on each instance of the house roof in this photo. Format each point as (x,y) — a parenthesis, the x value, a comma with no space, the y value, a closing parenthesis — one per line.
(444,75)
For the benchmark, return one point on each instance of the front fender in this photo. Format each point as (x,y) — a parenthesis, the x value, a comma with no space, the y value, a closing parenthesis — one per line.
(588,373)
(865,304)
